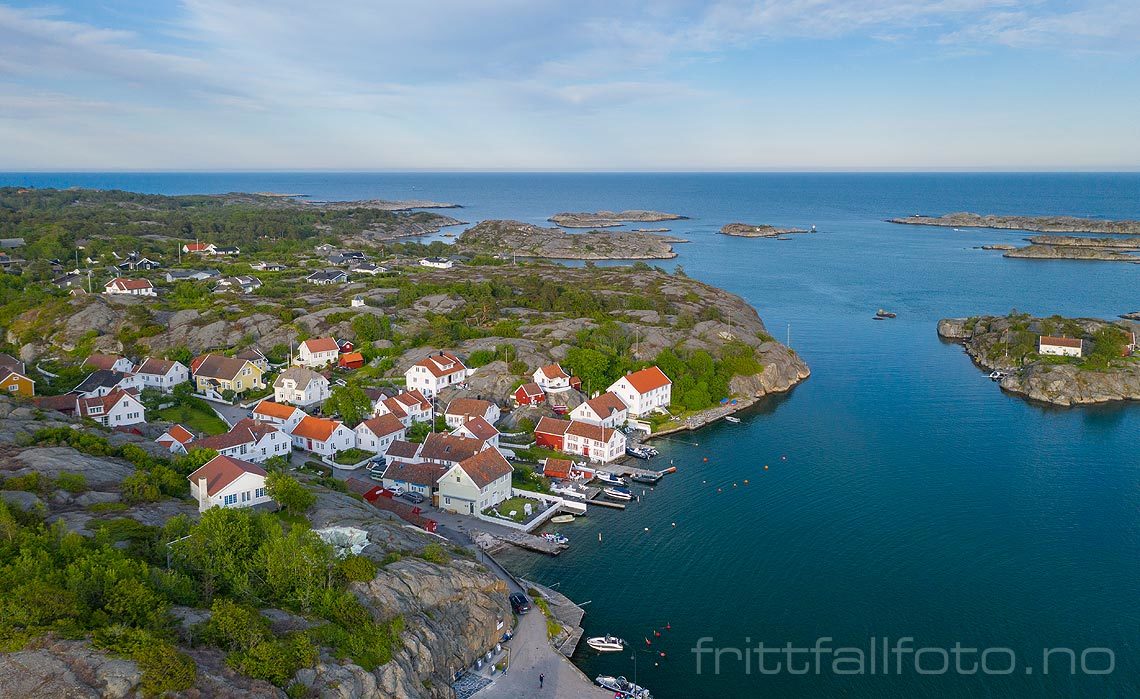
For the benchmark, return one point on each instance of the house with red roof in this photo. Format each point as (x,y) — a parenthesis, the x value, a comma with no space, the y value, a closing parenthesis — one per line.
(118,408)
(449,449)
(317,352)
(176,439)
(436,372)
(322,436)
(475,483)
(163,374)
(125,286)
(109,362)
(529,394)
(551,433)
(409,406)
(1060,346)
(607,410)
(552,378)
(285,417)
(561,469)
(224,481)
(478,428)
(206,248)
(644,391)
(350,360)
(376,434)
(461,410)
(594,442)
(249,440)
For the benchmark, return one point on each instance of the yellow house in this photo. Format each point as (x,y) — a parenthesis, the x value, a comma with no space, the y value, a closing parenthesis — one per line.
(217,373)
(16,384)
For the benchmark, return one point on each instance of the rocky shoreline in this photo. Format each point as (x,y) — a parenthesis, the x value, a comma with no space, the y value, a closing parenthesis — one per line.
(762,230)
(1008,344)
(528,240)
(610,219)
(1070,252)
(1043,224)
(383,204)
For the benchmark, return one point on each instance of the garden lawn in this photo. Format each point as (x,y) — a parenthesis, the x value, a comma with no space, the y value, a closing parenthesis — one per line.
(199,421)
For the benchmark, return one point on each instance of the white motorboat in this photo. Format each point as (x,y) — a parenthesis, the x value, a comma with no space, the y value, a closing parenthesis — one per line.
(732,418)
(617,493)
(606,477)
(606,644)
(622,687)
(998,375)
(556,538)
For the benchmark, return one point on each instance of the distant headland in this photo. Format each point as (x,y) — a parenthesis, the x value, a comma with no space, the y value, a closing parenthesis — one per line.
(1043,224)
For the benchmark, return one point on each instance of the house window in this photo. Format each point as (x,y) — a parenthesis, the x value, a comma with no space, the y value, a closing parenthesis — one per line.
(259,493)
(245,496)
(230,500)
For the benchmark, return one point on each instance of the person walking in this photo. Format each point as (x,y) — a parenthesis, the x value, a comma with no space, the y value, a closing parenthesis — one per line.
(541,679)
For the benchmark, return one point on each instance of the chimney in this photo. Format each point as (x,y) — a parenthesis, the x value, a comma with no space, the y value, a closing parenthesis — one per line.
(203,495)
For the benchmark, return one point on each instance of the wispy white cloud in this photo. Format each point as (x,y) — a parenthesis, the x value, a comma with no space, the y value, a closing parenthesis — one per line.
(370,84)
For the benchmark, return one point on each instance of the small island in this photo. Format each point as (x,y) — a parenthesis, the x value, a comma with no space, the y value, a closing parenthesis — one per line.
(1043,224)
(610,219)
(747,230)
(385,205)
(528,240)
(1062,361)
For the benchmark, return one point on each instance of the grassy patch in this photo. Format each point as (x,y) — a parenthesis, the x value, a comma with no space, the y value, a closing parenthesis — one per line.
(515,504)
(194,418)
(352,456)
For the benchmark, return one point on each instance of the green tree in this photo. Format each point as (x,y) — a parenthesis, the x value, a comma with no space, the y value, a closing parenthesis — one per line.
(294,497)
(591,366)
(350,402)
(298,568)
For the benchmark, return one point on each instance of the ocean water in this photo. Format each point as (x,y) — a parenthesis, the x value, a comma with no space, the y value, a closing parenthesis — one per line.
(905,495)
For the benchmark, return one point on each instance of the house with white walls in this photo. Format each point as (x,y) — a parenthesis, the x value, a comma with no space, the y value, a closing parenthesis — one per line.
(224,481)
(317,352)
(376,434)
(644,391)
(322,436)
(162,374)
(300,386)
(476,483)
(436,372)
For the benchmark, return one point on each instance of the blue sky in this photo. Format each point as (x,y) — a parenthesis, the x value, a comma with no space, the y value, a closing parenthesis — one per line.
(583,85)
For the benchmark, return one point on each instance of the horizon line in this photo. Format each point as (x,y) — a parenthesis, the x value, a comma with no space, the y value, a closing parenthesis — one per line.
(542,171)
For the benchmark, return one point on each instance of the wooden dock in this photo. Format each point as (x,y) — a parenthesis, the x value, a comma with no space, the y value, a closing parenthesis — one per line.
(603,502)
(523,540)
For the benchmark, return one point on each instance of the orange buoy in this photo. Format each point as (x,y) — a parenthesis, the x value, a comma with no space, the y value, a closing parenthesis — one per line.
(706,458)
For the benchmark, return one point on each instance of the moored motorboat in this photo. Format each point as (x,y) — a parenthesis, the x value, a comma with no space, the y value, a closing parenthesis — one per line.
(618,493)
(885,314)
(638,452)
(732,418)
(562,519)
(622,687)
(555,537)
(647,478)
(607,477)
(606,644)
(998,375)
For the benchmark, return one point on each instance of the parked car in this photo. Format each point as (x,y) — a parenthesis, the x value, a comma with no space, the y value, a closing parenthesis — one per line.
(519,603)
(413,497)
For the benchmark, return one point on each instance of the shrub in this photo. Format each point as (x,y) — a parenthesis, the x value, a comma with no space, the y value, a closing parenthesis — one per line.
(74,483)
(358,569)
(435,553)
(289,493)
(234,627)
(164,669)
(277,660)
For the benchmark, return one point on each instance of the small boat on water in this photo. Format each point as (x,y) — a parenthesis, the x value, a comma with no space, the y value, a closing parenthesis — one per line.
(647,478)
(732,418)
(885,314)
(998,375)
(618,493)
(555,537)
(607,477)
(562,519)
(621,687)
(638,452)
(606,644)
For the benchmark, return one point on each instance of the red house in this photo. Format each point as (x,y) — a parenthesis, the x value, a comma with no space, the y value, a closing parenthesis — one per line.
(345,346)
(529,394)
(351,360)
(550,433)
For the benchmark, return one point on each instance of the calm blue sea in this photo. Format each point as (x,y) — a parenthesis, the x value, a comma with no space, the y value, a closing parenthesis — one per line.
(905,497)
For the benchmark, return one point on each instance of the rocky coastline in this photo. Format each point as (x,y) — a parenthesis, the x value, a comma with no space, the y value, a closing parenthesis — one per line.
(450,610)
(1009,344)
(528,240)
(1043,224)
(763,230)
(609,219)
